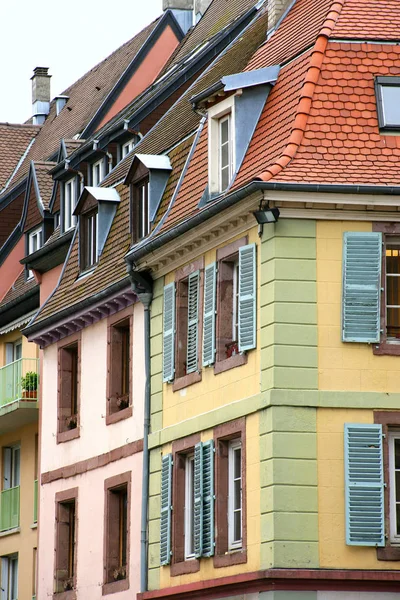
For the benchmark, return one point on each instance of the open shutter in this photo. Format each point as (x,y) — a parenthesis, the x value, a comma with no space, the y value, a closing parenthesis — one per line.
(169,333)
(247,297)
(362,258)
(210,283)
(208,498)
(363,461)
(193,323)
(166,509)
(198,499)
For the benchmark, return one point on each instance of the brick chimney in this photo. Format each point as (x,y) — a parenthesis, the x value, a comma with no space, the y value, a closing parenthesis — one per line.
(40,94)
(276,8)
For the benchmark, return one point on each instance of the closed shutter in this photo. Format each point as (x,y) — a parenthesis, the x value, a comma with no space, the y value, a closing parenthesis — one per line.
(193,323)
(247,297)
(198,499)
(210,282)
(362,257)
(169,333)
(363,460)
(208,498)
(166,508)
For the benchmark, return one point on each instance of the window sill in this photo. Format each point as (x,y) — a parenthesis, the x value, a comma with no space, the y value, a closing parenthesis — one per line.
(34,525)
(388,553)
(10,532)
(66,436)
(386,348)
(234,557)
(185,381)
(120,415)
(69,595)
(230,363)
(185,567)
(86,273)
(116,586)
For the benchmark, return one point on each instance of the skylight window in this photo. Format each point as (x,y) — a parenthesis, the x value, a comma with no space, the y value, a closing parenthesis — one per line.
(388,102)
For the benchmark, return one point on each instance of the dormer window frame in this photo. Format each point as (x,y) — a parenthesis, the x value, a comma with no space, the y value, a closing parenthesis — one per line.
(69,200)
(219,114)
(97,172)
(127,147)
(34,243)
(381,84)
(140,219)
(88,245)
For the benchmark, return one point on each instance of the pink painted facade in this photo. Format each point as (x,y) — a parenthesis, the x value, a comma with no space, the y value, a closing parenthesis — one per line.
(11,267)
(96,439)
(48,282)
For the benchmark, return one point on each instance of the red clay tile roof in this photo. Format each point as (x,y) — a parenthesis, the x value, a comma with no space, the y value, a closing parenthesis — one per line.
(368,20)
(45,181)
(14,142)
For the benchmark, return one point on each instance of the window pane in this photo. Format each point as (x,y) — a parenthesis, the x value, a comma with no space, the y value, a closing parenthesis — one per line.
(391,104)
(397,519)
(237,531)
(237,473)
(393,290)
(224,131)
(397,477)
(224,178)
(224,155)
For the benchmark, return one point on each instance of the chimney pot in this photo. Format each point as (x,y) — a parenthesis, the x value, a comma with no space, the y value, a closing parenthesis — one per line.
(40,94)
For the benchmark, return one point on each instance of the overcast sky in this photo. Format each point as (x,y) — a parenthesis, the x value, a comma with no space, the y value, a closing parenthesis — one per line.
(68,37)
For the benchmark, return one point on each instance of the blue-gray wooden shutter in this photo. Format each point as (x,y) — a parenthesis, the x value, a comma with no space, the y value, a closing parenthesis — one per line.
(208,498)
(169,332)
(166,508)
(247,297)
(210,289)
(362,259)
(192,349)
(363,460)
(198,500)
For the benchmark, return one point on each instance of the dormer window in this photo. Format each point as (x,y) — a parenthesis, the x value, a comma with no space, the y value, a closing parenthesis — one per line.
(388,102)
(140,224)
(225,152)
(126,148)
(69,189)
(97,172)
(88,241)
(34,243)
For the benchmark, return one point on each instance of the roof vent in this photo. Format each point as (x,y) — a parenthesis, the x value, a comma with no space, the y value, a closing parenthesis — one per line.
(61,101)
(40,94)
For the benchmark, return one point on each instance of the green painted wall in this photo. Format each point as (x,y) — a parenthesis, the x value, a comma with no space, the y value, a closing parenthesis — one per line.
(288,300)
(289,498)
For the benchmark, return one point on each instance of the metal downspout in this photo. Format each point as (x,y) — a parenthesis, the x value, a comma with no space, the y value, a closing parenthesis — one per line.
(143,290)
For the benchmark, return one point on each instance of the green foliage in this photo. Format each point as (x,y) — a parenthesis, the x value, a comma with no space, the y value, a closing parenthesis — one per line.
(30,381)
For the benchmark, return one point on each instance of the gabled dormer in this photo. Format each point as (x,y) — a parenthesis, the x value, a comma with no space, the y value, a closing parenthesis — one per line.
(147,178)
(233,107)
(95,211)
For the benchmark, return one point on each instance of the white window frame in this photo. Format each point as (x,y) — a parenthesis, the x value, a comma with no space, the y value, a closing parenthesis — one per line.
(216,114)
(234,544)
(9,569)
(34,236)
(69,219)
(127,147)
(229,166)
(99,164)
(189,507)
(394,537)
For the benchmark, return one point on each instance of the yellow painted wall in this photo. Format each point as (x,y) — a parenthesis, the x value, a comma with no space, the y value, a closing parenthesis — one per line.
(215,390)
(207,570)
(29,349)
(25,541)
(344,366)
(333,551)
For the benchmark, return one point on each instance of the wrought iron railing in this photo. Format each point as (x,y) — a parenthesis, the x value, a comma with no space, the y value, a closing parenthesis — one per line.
(9,509)
(19,380)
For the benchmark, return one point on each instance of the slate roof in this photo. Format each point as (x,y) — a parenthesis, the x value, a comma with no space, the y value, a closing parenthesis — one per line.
(14,142)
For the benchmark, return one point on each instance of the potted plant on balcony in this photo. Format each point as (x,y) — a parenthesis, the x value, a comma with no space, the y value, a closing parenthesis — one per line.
(29,385)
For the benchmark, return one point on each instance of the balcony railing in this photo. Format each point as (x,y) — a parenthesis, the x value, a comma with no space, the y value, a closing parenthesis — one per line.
(35,500)
(19,380)
(9,509)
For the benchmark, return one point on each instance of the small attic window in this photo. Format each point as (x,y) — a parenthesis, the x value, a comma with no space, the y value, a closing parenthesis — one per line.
(88,241)
(388,102)
(221,145)
(140,221)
